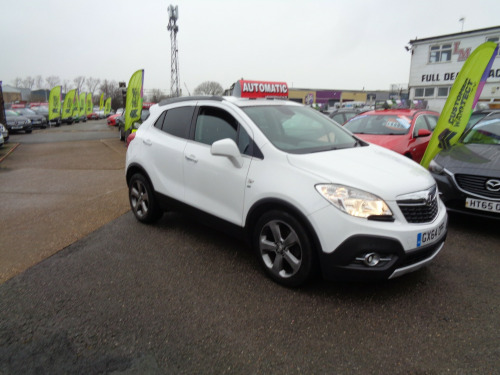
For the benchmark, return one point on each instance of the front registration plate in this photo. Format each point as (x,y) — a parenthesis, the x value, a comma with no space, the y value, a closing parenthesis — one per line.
(482,205)
(429,236)
(17,127)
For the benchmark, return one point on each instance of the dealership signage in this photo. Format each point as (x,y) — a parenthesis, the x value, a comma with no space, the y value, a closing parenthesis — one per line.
(451,76)
(260,89)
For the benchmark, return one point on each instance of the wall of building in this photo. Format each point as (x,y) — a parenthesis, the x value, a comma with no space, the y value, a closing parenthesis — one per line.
(436,62)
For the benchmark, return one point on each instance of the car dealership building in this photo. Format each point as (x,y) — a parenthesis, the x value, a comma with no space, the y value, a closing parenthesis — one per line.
(436,62)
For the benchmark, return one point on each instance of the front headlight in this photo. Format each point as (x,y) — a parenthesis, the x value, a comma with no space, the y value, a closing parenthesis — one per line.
(435,167)
(353,201)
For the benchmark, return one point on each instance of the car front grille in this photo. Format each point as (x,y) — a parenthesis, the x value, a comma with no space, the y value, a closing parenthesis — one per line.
(476,185)
(422,209)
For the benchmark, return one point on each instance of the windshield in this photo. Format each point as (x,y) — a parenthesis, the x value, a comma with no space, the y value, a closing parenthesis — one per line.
(11,113)
(41,109)
(379,124)
(474,119)
(26,111)
(299,130)
(486,132)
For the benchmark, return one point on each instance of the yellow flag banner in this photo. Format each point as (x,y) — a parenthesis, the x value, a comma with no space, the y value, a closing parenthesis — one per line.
(55,103)
(107,107)
(101,102)
(69,101)
(82,104)
(463,97)
(133,107)
(90,105)
(76,105)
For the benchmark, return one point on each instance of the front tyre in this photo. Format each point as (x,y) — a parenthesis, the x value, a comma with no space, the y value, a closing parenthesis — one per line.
(283,248)
(142,200)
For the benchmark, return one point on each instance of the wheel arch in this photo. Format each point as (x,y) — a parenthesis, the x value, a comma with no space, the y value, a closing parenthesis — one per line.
(137,168)
(269,204)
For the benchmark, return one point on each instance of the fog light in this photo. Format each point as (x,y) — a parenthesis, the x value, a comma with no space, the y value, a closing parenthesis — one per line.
(371,259)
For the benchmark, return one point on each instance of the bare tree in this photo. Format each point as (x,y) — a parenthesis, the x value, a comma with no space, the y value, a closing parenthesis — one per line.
(28,82)
(79,81)
(52,81)
(39,82)
(65,86)
(157,95)
(209,88)
(92,84)
(18,82)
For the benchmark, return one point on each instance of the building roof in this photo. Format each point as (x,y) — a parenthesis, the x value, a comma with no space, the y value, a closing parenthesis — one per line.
(464,33)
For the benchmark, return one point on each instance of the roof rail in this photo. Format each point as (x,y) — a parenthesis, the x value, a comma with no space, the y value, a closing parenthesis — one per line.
(188,98)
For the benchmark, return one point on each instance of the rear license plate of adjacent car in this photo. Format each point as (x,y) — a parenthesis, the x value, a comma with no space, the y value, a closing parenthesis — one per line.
(482,205)
(424,238)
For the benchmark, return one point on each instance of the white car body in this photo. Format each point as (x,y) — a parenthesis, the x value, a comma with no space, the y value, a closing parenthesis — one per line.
(236,189)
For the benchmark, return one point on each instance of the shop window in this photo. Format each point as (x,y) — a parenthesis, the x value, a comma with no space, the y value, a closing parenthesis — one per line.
(443,91)
(495,39)
(440,53)
(429,92)
(419,93)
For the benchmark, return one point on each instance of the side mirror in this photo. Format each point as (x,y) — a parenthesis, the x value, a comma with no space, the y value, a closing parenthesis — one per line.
(227,147)
(423,133)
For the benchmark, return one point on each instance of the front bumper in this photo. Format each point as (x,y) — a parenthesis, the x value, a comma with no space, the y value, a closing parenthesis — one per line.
(400,247)
(18,127)
(454,199)
(345,263)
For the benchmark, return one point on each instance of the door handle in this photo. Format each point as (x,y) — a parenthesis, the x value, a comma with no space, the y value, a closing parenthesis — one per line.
(191,158)
(147,142)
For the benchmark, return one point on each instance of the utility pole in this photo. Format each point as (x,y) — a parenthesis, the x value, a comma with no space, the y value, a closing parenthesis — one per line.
(173,14)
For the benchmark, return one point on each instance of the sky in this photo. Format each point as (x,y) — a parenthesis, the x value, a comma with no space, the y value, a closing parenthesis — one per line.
(320,44)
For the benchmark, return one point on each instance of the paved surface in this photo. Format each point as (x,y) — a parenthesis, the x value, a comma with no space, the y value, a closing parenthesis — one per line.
(56,193)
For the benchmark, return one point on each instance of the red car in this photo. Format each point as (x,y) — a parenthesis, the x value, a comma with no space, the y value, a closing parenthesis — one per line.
(93,116)
(406,131)
(112,119)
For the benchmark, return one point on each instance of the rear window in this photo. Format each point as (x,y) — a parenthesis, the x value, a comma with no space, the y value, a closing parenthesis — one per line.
(379,125)
(176,121)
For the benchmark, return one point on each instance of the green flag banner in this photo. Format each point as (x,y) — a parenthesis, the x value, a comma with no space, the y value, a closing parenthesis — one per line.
(76,105)
(101,102)
(83,107)
(90,106)
(133,107)
(462,99)
(107,107)
(69,101)
(55,103)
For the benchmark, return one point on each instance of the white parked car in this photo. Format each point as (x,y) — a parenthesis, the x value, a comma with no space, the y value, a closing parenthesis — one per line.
(308,195)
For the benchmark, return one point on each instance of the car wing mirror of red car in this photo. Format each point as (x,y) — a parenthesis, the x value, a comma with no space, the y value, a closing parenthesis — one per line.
(423,133)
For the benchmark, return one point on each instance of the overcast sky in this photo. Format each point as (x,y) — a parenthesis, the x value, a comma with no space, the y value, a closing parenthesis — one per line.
(336,44)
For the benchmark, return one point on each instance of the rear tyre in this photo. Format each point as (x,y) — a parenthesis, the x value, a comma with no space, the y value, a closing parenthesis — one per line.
(283,248)
(142,200)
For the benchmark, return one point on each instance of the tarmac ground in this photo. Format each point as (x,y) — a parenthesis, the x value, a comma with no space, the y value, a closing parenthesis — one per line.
(54,194)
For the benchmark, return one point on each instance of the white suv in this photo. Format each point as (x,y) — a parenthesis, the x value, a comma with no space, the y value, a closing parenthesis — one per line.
(306,193)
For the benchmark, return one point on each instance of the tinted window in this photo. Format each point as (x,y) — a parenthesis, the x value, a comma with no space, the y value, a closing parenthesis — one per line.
(214,124)
(159,121)
(176,121)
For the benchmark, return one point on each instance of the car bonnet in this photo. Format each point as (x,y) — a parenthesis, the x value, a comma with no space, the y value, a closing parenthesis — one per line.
(482,159)
(370,168)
